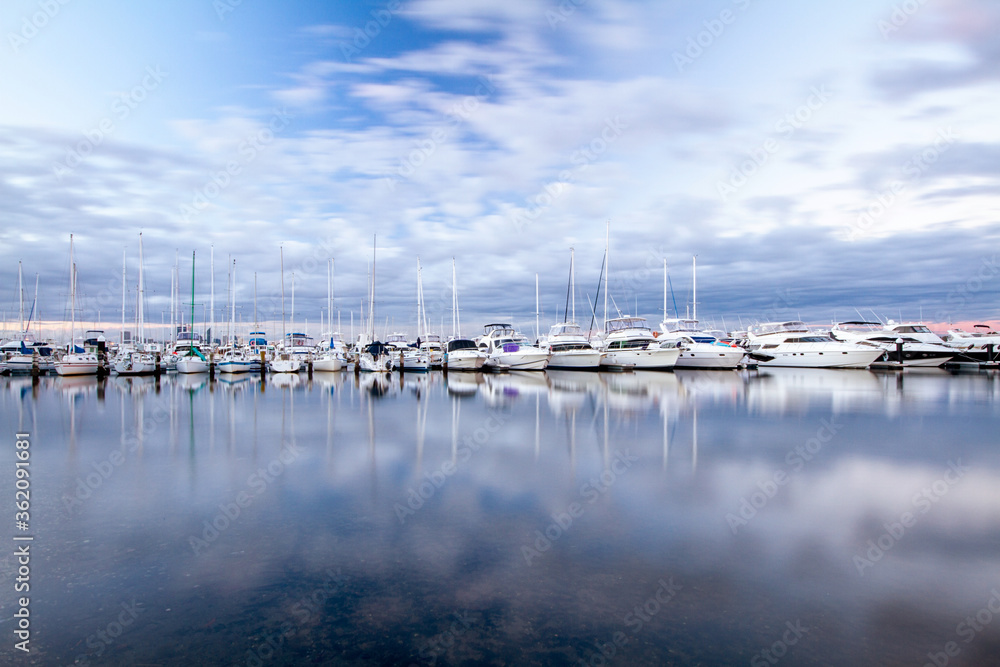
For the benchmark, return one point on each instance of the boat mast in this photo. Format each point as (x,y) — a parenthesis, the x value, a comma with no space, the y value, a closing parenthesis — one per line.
(694,287)
(72,299)
(537,331)
(572,282)
(211,305)
(122,337)
(329,294)
(371,302)
(20,293)
(607,270)
(232,313)
(664,288)
(142,294)
(281,251)
(420,290)
(191,329)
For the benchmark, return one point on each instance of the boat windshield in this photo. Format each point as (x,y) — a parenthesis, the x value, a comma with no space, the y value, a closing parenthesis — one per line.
(622,323)
(461,344)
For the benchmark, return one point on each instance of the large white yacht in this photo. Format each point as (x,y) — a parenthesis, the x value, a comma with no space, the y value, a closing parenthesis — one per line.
(914,352)
(628,341)
(463,354)
(506,349)
(699,349)
(570,348)
(793,344)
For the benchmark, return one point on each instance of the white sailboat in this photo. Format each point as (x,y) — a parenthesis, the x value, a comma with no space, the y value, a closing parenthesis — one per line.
(566,341)
(461,354)
(234,360)
(284,361)
(332,356)
(135,360)
(193,361)
(375,358)
(74,362)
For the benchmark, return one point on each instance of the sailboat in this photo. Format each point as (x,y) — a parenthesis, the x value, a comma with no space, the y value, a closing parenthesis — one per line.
(75,362)
(194,361)
(332,356)
(566,341)
(284,361)
(413,358)
(699,349)
(461,354)
(136,361)
(234,360)
(375,357)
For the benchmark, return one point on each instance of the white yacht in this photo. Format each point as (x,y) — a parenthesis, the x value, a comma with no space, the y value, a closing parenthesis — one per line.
(375,358)
(793,344)
(506,349)
(134,362)
(332,354)
(628,341)
(570,348)
(234,360)
(463,354)
(699,349)
(914,352)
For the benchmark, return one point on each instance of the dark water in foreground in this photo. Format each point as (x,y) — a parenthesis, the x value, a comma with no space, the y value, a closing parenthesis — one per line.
(699,518)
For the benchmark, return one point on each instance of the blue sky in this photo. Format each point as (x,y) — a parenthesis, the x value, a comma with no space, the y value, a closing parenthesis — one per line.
(817,159)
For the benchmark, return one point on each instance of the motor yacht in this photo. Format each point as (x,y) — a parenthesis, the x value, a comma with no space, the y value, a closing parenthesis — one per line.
(793,344)
(628,341)
(506,349)
(699,349)
(463,354)
(570,349)
(899,348)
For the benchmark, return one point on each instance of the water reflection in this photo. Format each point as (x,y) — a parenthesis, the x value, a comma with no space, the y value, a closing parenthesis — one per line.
(542,507)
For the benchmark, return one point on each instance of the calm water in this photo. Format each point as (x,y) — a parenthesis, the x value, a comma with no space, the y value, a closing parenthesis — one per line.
(688,518)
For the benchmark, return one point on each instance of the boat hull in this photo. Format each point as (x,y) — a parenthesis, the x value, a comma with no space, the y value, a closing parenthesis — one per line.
(710,356)
(328,364)
(77,364)
(816,359)
(192,365)
(658,359)
(576,360)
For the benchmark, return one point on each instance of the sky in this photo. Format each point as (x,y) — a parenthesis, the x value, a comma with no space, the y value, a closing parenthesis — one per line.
(823,161)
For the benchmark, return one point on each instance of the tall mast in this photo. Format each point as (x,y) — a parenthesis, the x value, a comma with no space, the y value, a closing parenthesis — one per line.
(664,288)
(191,330)
(232,312)
(36,310)
(694,287)
(572,281)
(72,298)
(122,337)
(537,332)
(255,326)
(281,250)
(291,316)
(371,303)
(229,298)
(607,270)
(211,303)
(420,305)
(142,302)
(329,294)
(20,294)
(454,299)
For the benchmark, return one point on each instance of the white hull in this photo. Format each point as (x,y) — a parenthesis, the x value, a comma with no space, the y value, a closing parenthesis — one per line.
(820,359)
(576,359)
(709,355)
(521,360)
(369,364)
(77,364)
(457,361)
(231,366)
(657,358)
(285,366)
(192,365)
(328,364)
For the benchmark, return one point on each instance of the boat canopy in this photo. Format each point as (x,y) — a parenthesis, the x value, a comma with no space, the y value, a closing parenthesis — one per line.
(621,323)
(792,326)
(565,329)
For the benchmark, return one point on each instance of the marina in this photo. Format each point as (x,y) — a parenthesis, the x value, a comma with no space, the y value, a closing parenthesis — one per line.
(520,517)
